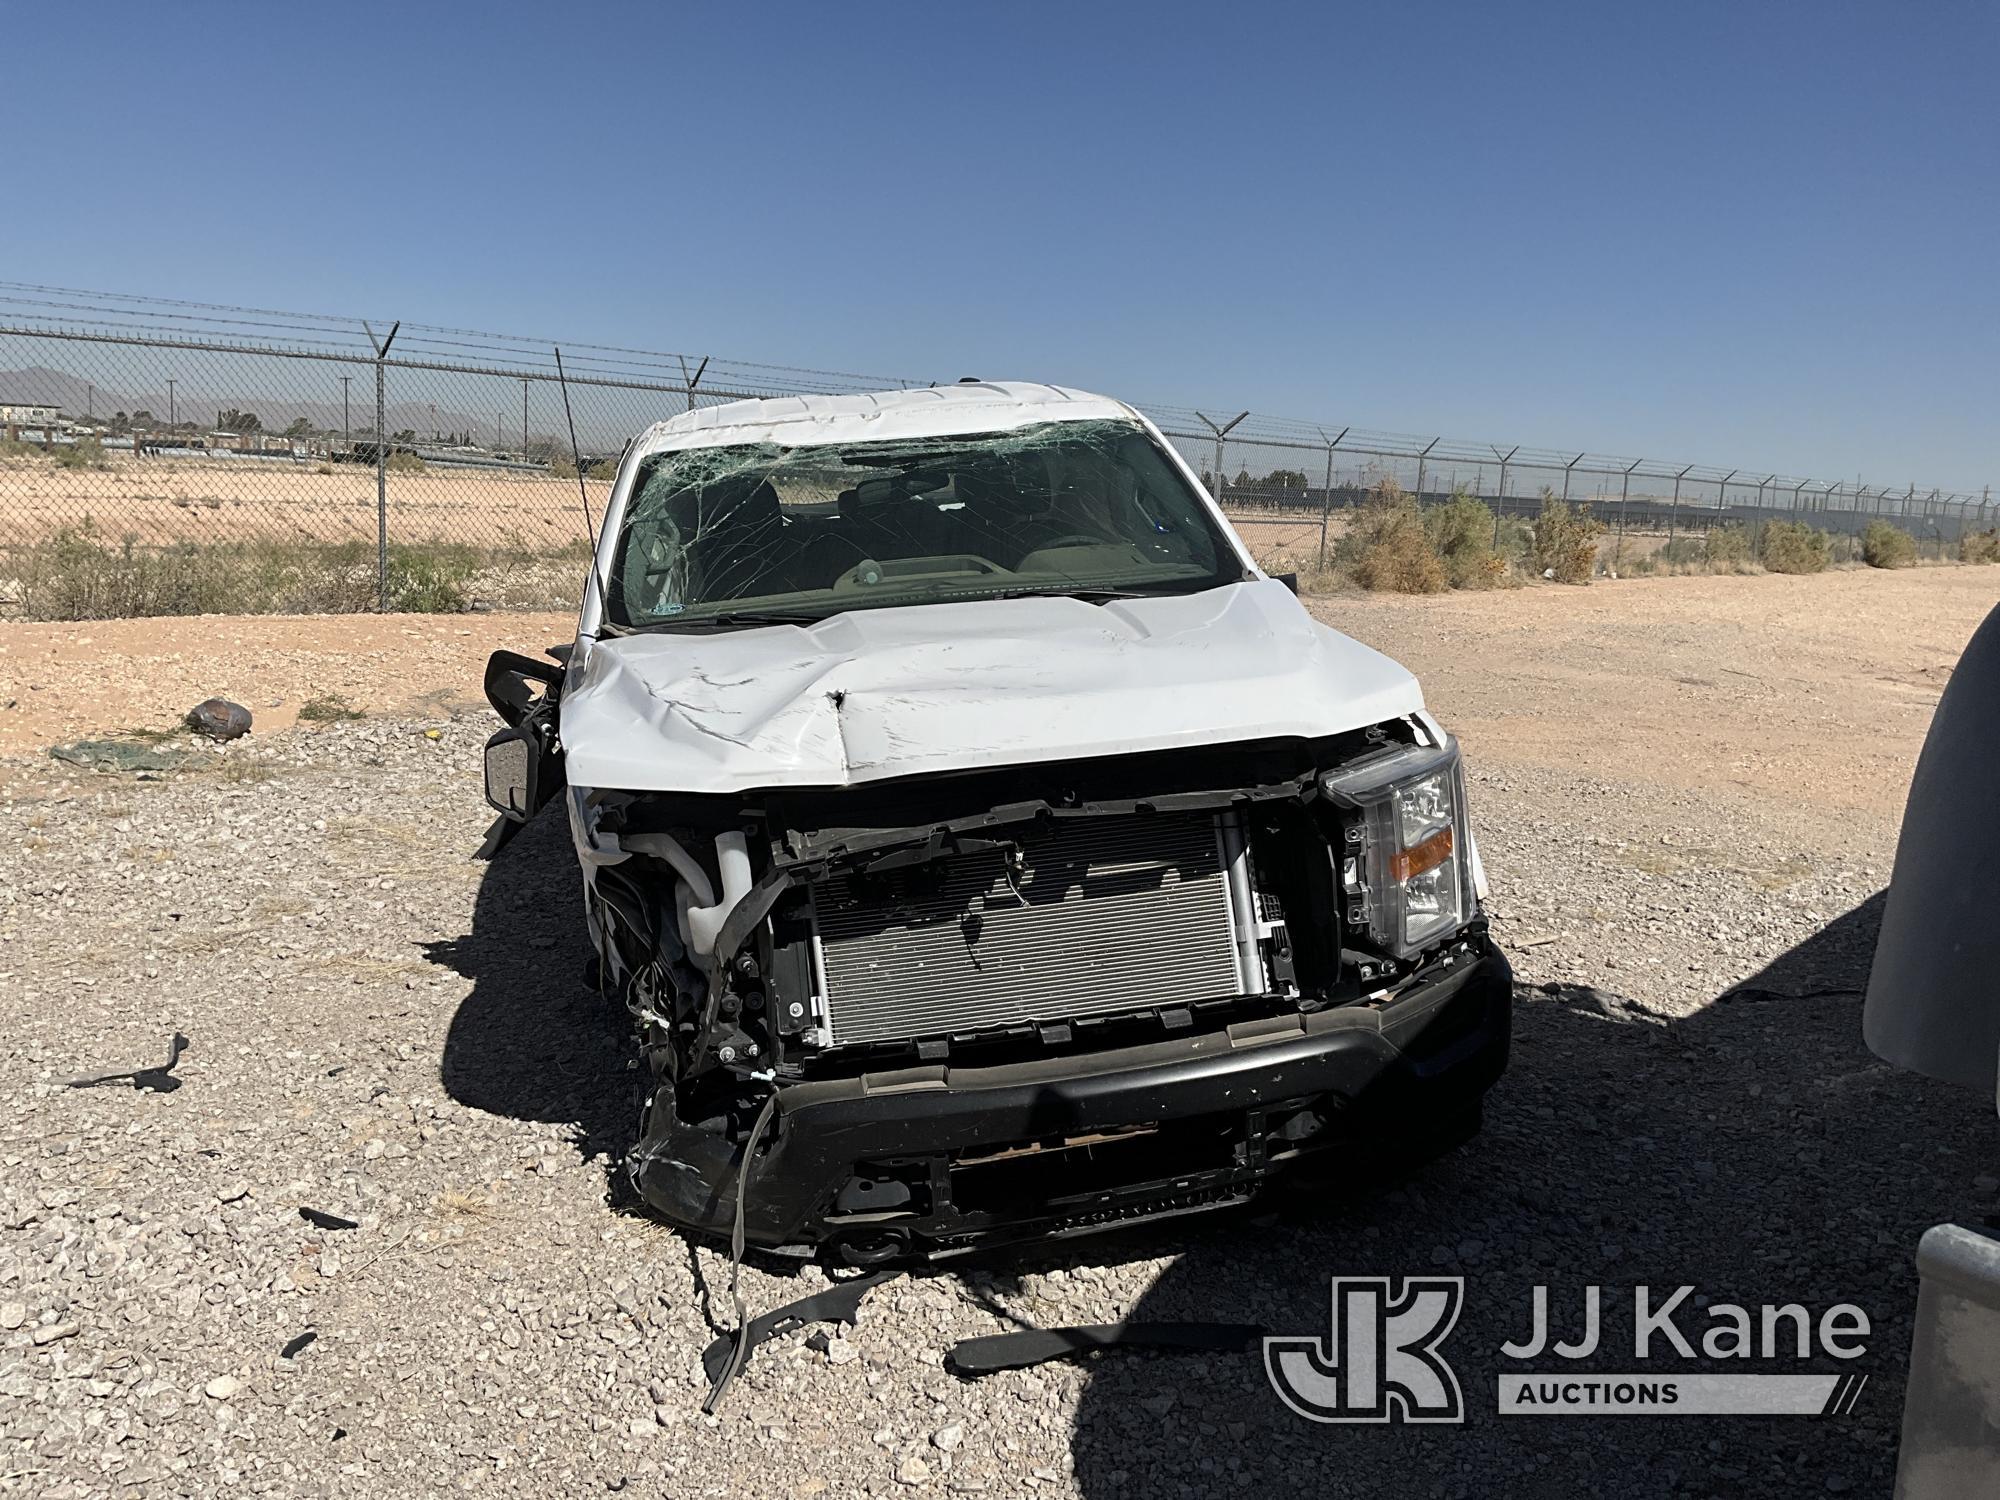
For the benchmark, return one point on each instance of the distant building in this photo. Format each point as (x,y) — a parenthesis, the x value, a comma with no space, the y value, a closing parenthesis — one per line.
(29,414)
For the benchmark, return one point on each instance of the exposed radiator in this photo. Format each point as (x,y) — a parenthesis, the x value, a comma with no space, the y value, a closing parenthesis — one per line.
(1102,914)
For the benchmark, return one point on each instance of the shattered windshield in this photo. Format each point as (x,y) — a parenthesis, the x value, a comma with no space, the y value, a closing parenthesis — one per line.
(743,535)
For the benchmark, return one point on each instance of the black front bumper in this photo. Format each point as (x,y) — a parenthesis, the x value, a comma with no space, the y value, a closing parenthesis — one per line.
(927,1160)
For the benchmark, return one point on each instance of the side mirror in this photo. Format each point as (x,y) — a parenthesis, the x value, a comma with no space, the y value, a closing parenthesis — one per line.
(513,774)
(1289,580)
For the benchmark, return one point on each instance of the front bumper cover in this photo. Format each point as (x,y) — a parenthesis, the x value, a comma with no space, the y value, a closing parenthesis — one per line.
(955,1156)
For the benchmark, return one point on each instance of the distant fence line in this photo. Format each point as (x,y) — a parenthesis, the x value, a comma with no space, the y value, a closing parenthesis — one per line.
(342,450)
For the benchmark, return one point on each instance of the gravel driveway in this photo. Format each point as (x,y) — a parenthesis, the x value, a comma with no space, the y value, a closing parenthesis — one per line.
(382,1030)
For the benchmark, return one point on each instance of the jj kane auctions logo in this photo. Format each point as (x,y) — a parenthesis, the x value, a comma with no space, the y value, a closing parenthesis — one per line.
(1380,1360)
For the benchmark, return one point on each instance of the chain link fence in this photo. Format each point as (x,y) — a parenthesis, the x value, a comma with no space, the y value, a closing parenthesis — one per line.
(161,457)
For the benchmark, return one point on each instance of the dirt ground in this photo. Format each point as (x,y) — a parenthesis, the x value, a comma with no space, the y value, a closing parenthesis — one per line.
(224,500)
(1685,792)
(1813,688)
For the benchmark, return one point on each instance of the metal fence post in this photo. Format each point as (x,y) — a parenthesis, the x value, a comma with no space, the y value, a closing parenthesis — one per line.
(1326,498)
(381,468)
(1220,433)
(1624,500)
(1500,500)
(1421,457)
(1674,515)
(1566,468)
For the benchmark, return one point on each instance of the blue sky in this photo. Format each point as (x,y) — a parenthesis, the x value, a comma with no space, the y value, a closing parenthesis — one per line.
(1738,233)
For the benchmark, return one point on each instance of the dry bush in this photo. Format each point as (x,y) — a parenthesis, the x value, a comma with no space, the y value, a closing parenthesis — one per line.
(1461,532)
(1980,546)
(84,453)
(82,573)
(1386,548)
(1887,546)
(1565,540)
(1682,554)
(1794,547)
(1726,549)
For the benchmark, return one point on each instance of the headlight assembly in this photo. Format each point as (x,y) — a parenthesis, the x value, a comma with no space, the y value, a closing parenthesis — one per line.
(1406,871)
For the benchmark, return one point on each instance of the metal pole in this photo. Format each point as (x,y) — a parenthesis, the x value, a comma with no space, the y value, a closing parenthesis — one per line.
(1674,515)
(524,419)
(1566,468)
(1624,498)
(1500,500)
(691,381)
(1326,497)
(1420,466)
(346,421)
(1220,433)
(170,404)
(381,467)
(381,496)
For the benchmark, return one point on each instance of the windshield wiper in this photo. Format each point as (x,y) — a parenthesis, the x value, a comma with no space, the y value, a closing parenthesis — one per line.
(746,617)
(1091,594)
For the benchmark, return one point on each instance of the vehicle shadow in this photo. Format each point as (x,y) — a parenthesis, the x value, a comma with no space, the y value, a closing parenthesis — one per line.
(1755,1150)
(533,1041)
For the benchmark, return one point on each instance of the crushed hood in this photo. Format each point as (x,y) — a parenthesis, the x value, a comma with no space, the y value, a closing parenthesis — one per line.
(881,693)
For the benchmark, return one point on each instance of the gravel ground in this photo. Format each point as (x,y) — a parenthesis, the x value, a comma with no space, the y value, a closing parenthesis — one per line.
(380,1028)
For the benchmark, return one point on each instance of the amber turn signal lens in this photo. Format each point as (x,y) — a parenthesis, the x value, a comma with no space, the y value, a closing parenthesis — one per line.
(1428,855)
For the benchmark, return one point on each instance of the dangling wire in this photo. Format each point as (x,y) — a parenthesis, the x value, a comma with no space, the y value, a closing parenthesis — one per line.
(736,1239)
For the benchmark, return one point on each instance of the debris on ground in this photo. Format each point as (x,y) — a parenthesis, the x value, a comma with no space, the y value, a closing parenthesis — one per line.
(158,1080)
(219,719)
(319,1218)
(120,755)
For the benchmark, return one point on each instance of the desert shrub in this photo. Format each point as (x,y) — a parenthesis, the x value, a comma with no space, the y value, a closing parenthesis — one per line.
(1979,546)
(1794,547)
(1887,546)
(1681,552)
(433,580)
(604,468)
(322,467)
(1460,532)
(327,708)
(1386,547)
(84,453)
(1565,541)
(561,466)
(1726,548)
(81,573)
(11,448)
(403,463)
(1515,540)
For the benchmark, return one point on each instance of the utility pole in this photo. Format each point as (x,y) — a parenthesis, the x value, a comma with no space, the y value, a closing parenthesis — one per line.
(89,401)
(170,405)
(346,424)
(524,419)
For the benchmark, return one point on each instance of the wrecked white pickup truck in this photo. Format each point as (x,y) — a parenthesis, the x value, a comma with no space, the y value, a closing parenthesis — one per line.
(981,844)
